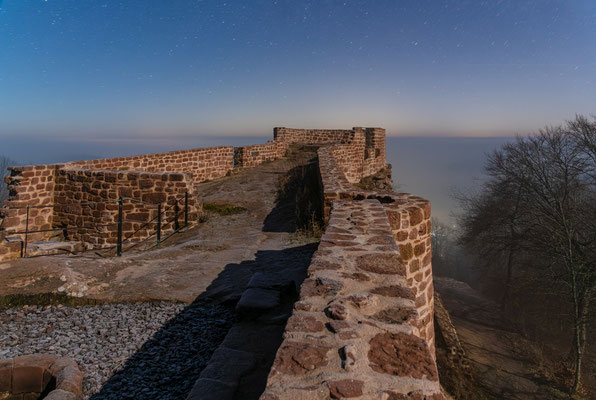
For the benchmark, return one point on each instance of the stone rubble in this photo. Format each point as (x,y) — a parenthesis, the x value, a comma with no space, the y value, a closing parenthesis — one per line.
(155,349)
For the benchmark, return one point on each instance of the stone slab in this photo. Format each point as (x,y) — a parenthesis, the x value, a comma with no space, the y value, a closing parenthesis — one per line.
(257,299)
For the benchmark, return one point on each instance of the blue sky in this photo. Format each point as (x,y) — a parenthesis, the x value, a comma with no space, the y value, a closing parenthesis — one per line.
(180,68)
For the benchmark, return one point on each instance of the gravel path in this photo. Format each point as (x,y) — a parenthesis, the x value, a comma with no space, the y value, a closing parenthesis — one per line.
(126,351)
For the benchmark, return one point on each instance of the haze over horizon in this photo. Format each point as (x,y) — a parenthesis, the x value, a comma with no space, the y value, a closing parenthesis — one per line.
(106,70)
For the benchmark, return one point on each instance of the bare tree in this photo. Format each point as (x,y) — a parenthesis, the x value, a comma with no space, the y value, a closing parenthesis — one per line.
(5,162)
(541,198)
(490,229)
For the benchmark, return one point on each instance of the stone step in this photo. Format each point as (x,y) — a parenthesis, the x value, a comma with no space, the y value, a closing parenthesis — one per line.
(257,300)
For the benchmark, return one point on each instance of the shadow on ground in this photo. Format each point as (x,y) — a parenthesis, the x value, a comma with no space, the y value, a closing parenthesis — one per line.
(167,366)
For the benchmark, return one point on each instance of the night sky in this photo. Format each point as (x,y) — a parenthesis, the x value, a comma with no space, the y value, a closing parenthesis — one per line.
(180,67)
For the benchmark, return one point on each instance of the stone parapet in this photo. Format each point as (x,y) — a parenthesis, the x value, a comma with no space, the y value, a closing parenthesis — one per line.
(203,164)
(313,136)
(251,156)
(356,331)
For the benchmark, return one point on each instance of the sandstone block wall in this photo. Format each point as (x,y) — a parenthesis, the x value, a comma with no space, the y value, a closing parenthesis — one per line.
(35,186)
(80,195)
(358,152)
(356,331)
(409,218)
(375,157)
(313,136)
(203,164)
(363,327)
(31,185)
(251,156)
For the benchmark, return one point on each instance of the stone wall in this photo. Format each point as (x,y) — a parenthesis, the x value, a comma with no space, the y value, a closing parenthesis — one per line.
(313,136)
(31,185)
(80,197)
(251,156)
(356,331)
(81,181)
(203,164)
(409,217)
(358,152)
(364,326)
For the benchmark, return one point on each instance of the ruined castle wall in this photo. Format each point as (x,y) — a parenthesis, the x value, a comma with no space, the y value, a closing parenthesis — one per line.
(59,187)
(203,164)
(364,323)
(409,217)
(33,186)
(81,196)
(313,136)
(356,330)
(375,156)
(350,157)
(251,156)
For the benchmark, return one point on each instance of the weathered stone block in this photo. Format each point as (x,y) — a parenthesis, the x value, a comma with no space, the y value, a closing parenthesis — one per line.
(402,355)
(381,263)
(296,358)
(5,375)
(345,388)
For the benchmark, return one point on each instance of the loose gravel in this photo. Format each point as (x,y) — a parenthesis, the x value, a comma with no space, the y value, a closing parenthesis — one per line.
(126,351)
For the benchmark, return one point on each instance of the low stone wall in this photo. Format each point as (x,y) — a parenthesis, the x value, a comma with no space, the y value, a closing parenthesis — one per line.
(160,177)
(203,164)
(9,249)
(364,325)
(313,136)
(80,197)
(31,185)
(409,217)
(251,156)
(356,331)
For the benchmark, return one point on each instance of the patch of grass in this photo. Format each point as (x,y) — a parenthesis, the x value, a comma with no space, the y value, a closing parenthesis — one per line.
(206,247)
(44,299)
(310,232)
(223,209)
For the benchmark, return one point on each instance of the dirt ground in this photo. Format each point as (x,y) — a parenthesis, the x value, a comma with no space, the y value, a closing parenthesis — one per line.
(187,263)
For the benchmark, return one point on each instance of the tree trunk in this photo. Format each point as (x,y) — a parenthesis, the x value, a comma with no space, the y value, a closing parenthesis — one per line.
(507,279)
(511,248)
(580,332)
